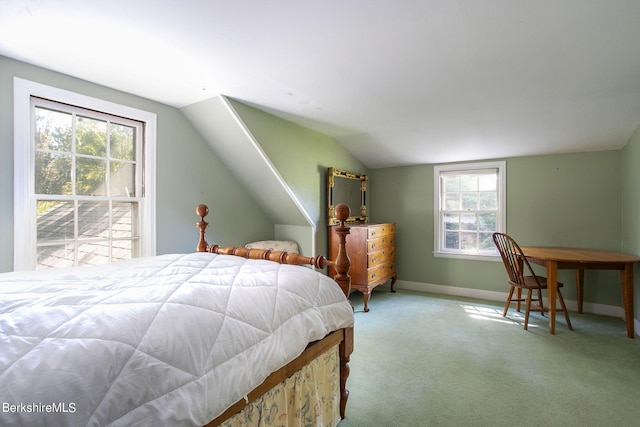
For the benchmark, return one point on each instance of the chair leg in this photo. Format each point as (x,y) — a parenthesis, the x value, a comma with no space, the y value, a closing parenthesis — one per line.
(509,297)
(540,302)
(527,310)
(564,310)
(519,299)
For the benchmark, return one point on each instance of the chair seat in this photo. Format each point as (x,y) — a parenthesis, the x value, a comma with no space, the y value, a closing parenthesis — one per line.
(530,282)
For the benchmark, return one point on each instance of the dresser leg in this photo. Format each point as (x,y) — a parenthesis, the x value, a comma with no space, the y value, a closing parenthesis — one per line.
(366,295)
(393,282)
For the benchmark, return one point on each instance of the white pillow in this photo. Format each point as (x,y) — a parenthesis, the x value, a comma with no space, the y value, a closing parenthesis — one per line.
(274,245)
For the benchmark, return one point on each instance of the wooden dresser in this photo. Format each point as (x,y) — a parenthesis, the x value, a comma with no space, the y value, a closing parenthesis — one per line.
(372,251)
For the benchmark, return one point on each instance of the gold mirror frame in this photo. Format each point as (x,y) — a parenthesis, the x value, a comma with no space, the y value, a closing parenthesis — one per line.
(348,183)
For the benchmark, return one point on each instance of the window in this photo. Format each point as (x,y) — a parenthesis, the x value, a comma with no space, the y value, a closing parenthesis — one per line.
(470,207)
(84,182)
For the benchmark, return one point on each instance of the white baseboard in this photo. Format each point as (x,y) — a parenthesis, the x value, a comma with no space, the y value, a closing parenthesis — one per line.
(600,309)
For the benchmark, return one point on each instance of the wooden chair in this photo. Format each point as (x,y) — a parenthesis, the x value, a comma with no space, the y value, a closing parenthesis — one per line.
(514,261)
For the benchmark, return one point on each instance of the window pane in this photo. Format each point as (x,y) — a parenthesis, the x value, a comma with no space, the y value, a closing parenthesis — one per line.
(122,179)
(468,241)
(122,140)
(53,130)
(91,137)
(468,222)
(486,242)
(452,201)
(469,201)
(488,201)
(54,220)
(469,183)
(93,253)
(487,222)
(123,249)
(451,183)
(452,240)
(90,175)
(52,173)
(55,256)
(93,220)
(488,182)
(124,215)
(452,222)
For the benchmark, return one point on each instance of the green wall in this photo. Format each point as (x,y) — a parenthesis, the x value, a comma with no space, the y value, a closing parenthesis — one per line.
(188,172)
(631,207)
(564,200)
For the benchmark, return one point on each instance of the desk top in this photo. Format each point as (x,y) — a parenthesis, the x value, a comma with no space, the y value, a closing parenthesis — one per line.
(578,255)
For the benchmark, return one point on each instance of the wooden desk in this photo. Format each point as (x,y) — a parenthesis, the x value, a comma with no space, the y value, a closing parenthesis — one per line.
(582,259)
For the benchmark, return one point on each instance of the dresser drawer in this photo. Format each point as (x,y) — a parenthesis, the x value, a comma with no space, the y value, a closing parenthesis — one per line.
(380,230)
(381,256)
(382,272)
(381,242)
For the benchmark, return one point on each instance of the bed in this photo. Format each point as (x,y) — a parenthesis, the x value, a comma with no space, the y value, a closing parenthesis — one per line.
(223,336)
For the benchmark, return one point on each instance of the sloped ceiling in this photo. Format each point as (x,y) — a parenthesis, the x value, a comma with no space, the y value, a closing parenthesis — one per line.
(396,82)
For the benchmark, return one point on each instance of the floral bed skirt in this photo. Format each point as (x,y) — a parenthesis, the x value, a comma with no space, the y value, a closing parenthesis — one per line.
(309,397)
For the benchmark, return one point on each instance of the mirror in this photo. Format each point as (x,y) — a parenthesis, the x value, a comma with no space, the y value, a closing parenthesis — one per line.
(350,188)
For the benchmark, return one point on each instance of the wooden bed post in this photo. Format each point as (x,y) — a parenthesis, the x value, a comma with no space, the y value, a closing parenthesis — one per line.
(342,265)
(202,211)
(342,262)
(344,352)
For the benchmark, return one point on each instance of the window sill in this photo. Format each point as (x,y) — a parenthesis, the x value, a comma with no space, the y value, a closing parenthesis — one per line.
(495,257)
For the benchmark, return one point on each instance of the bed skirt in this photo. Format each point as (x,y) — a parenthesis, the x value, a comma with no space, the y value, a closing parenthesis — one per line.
(309,397)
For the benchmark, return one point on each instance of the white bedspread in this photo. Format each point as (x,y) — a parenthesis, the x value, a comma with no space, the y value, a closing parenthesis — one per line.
(169,340)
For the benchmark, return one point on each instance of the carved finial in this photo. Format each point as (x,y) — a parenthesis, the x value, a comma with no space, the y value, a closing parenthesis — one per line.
(342,212)
(202,211)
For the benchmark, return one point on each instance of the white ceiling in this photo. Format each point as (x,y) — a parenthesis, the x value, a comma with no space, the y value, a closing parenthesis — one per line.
(396,82)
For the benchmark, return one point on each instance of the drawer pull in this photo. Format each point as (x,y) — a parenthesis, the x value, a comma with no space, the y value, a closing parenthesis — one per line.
(373,246)
(373,275)
(374,260)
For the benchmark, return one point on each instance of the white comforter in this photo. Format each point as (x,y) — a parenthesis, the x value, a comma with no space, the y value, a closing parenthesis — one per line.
(169,340)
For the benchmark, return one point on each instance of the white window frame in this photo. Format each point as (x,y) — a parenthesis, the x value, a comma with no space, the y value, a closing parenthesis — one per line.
(24,219)
(501,166)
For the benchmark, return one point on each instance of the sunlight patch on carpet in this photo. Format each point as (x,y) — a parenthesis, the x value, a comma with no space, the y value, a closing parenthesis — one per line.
(495,315)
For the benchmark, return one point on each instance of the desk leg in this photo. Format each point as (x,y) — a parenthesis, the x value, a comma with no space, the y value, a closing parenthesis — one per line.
(579,287)
(552,293)
(627,297)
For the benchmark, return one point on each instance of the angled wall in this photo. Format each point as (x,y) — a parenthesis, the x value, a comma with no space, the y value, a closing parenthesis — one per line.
(282,164)
(301,156)
(223,129)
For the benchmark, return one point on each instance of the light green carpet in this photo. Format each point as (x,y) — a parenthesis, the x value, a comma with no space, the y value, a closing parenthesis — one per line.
(431,360)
